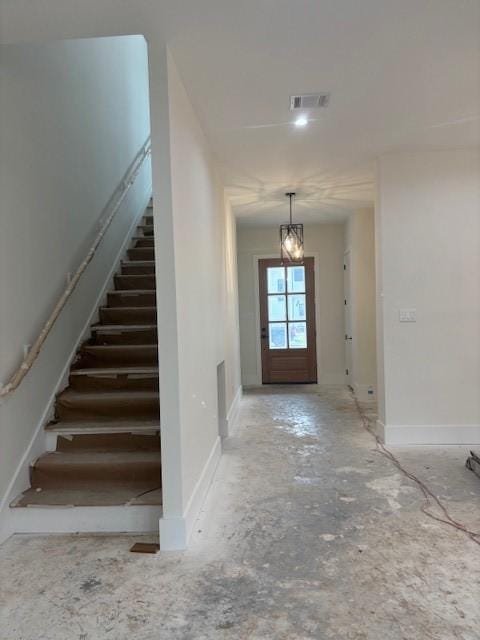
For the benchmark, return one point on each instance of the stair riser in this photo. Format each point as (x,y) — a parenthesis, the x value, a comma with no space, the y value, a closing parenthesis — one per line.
(145,230)
(106,519)
(147,241)
(118,383)
(135,281)
(73,475)
(100,409)
(115,299)
(117,355)
(110,442)
(128,316)
(147,336)
(132,270)
(148,220)
(141,254)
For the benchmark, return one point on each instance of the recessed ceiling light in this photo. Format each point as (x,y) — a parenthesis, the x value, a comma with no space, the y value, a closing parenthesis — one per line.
(301,121)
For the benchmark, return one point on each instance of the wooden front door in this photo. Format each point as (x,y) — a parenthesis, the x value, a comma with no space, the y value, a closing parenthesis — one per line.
(287,322)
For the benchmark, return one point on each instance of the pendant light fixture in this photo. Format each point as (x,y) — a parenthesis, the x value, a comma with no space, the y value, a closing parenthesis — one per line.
(291,239)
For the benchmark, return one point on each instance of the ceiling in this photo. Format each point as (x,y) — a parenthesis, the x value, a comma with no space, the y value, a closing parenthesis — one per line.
(402,74)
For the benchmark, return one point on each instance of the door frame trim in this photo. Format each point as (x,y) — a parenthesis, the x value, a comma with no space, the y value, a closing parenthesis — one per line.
(268,256)
(349,379)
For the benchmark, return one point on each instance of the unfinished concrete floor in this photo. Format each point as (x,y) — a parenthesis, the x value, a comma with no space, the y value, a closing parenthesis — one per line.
(306,533)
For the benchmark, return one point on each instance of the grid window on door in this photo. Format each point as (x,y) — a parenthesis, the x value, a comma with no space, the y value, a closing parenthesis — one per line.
(287,312)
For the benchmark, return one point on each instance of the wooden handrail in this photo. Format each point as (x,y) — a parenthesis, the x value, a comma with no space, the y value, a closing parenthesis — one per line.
(34,351)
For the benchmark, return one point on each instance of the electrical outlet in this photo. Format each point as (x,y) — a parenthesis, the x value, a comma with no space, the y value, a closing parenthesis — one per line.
(407,315)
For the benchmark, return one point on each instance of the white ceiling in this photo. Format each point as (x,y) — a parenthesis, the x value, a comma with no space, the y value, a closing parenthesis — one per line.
(403,75)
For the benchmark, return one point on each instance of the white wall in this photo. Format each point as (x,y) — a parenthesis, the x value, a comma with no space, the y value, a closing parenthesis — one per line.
(204,272)
(360,241)
(232,329)
(429,214)
(326,240)
(73,115)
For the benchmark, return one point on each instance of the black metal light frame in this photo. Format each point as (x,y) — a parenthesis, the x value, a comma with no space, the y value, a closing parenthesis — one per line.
(289,230)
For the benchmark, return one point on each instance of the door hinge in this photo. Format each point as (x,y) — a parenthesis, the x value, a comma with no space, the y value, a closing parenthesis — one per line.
(345,302)
(344,267)
(346,372)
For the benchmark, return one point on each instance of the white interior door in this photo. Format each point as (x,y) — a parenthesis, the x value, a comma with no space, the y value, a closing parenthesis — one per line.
(348,317)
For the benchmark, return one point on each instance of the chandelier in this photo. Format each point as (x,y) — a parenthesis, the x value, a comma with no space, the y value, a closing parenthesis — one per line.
(291,239)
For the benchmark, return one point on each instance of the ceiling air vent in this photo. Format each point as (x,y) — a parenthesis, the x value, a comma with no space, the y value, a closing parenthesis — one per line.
(309,101)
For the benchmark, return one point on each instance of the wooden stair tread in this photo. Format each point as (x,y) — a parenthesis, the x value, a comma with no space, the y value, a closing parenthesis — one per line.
(104,426)
(118,347)
(133,276)
(86,396)
(93,457)
(116,370)
(134,308)
(127,495)
(104,328)
(130,292)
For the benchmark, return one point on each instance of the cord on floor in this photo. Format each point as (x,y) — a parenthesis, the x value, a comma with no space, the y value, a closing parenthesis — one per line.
(431,500)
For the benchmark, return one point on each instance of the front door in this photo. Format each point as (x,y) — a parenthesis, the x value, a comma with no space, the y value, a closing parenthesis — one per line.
(287,322)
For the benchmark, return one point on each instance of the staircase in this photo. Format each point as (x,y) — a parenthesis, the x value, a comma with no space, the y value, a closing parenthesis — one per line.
(104,458)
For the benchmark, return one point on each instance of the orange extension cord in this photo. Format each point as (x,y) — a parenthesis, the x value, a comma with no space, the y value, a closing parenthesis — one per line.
(430,498)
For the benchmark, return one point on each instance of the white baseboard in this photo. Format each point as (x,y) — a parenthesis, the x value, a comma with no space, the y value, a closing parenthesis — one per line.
(120,519)
(365,392)
(38,443)
(253,381)
(232,414)
(404,435)
(379,429)
(175,531)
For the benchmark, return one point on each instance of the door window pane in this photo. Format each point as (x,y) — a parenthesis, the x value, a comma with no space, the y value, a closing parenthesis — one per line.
(277,335)
(277,308)
(296,307)
(276,279)
(295,279)
(297,335)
